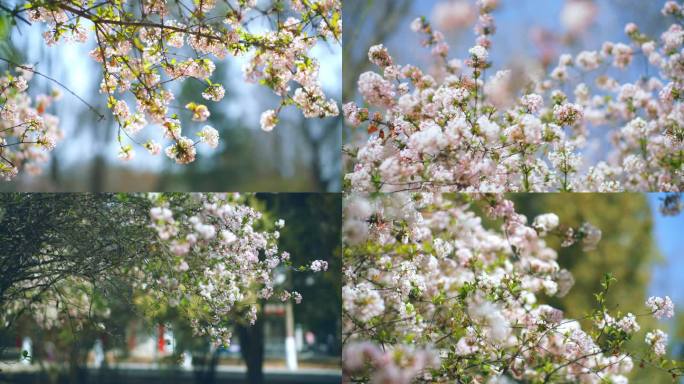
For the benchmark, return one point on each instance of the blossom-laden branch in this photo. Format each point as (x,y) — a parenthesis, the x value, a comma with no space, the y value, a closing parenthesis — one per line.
(143,48)
(27,131)
(431,295)
(457,130)
(219,258)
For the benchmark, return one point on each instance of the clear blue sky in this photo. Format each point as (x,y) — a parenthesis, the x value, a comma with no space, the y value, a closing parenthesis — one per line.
(668,276)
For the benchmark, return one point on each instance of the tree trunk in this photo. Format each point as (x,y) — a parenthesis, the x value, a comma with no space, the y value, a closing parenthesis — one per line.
(205,373)
(78,372)
(320,184)
(97,174)
(252,350)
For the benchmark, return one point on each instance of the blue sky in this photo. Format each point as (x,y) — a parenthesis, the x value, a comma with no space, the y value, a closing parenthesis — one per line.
(515,20)
(668,276)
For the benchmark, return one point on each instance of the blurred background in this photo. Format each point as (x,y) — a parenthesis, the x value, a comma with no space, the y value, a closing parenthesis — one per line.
(530,36)
(299,155)
(640,246)
(136,350)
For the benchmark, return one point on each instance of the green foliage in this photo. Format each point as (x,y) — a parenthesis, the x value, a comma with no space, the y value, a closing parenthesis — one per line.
(7,49)
(622,261)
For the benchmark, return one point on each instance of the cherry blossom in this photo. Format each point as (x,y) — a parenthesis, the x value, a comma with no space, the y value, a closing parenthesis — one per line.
(319,265)
(658,341)
(459,127)
(432,295)
(143,48)
(662,307)
(269,119)
(455,14)
(27,132)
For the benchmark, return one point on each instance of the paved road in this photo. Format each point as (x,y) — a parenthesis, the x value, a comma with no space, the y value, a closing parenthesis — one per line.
(133,373)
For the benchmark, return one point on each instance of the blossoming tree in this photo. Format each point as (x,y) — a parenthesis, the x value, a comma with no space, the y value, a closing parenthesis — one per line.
(145,47)
(211,257)
(432,295)
(458,129)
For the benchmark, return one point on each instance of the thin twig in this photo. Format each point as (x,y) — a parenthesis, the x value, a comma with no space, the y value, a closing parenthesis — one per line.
(14,13)
(27,68)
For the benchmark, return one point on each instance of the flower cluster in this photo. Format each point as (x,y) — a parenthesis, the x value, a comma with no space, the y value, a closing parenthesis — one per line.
(142,50)
(455,129)
(27,131)
(217,257)
(432,295)
(662,307)
(658,341)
